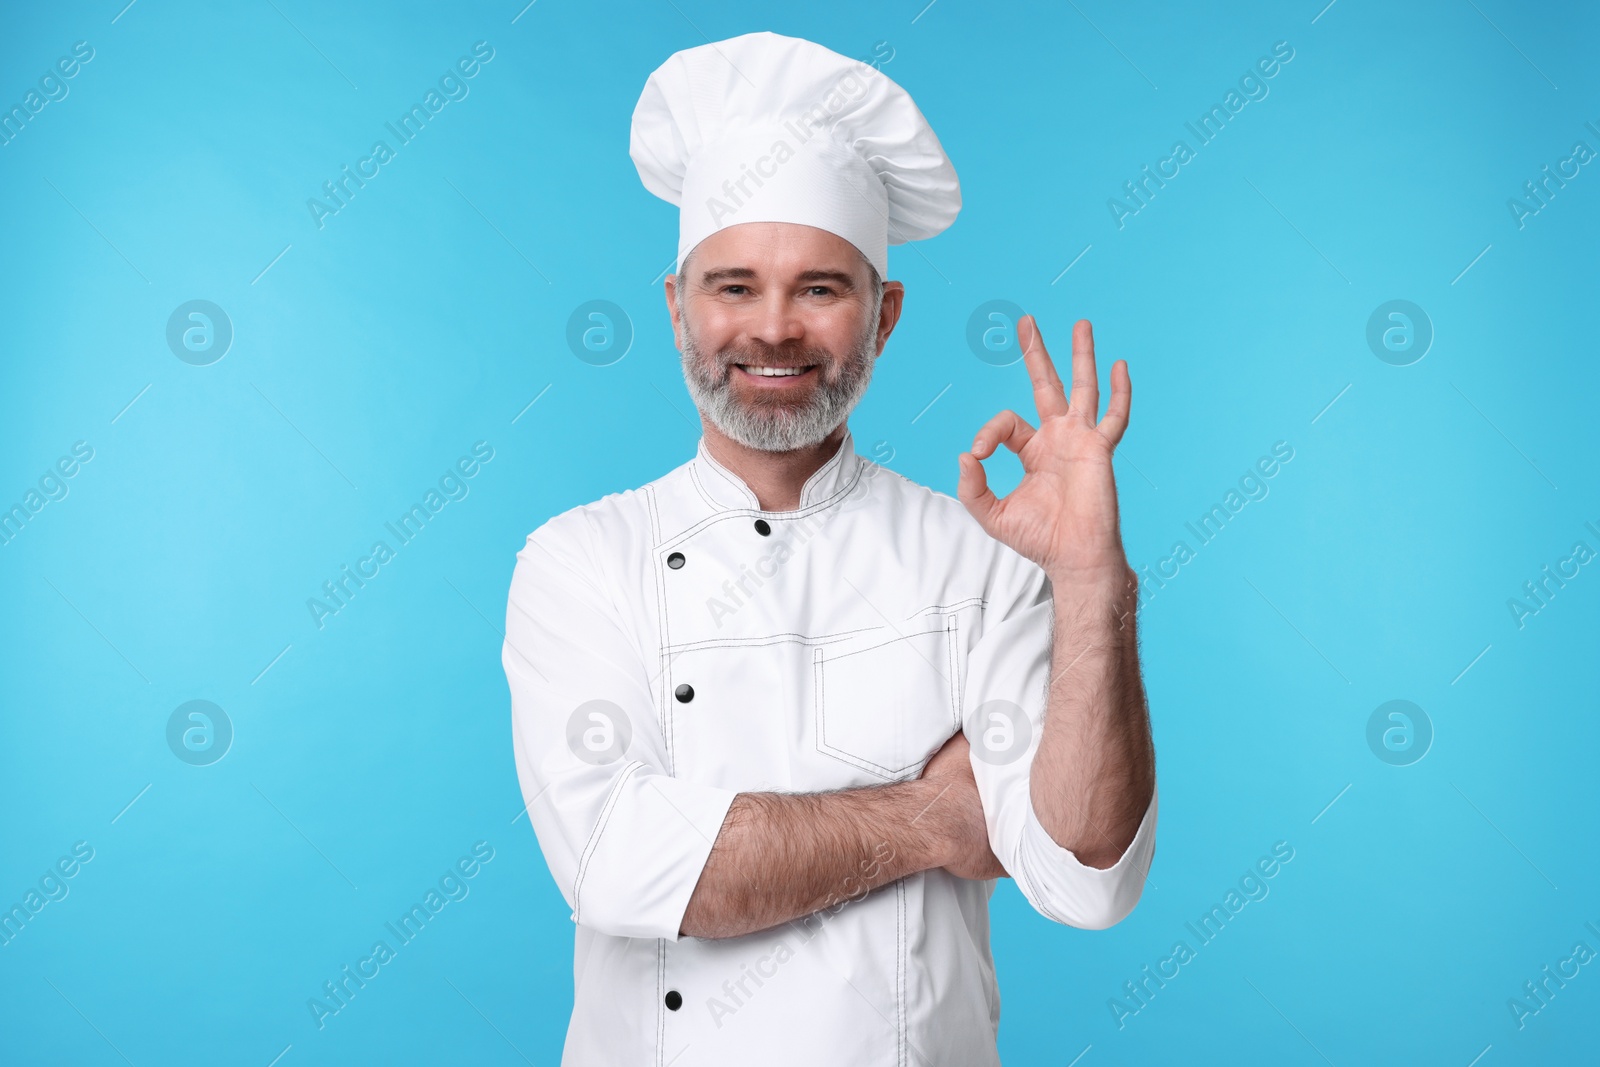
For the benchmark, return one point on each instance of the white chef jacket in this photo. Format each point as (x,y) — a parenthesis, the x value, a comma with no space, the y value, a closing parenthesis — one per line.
(728,649)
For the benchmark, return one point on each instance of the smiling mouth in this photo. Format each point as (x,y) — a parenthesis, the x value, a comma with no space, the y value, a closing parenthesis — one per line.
(759,371)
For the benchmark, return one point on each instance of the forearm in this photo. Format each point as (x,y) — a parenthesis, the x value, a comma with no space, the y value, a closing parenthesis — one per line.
(1094,772)
(783,855)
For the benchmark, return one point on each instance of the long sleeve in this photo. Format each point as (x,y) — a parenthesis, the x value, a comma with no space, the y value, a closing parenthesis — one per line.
(1008,673)
(624,840)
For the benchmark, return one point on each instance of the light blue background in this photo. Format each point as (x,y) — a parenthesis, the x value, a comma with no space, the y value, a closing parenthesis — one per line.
(426,315)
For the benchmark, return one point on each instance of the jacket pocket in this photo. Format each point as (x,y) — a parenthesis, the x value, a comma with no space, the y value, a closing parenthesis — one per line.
(885,704)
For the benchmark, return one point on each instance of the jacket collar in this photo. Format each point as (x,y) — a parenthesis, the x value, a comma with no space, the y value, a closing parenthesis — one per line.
(727,490)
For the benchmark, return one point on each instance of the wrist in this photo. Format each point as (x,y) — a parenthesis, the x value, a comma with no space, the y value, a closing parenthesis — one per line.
(1109,579)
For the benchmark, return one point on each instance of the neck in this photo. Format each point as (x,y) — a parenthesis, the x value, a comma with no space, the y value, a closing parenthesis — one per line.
(776,478)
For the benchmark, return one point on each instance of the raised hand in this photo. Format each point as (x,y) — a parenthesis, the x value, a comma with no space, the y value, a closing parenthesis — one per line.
(1063,514)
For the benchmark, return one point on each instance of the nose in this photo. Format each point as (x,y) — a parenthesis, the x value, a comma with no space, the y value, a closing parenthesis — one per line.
(776,320)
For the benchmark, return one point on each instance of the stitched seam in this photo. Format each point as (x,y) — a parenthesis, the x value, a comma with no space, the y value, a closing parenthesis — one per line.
(886,644)
(661,1000)
(779,516)
(713,464)
(663,701)
(900,967)
(775,518)
(594,837)
(767,639)
(957,662)
(705,494)
(971,601)
(816,688)
(835,461)
(861,761)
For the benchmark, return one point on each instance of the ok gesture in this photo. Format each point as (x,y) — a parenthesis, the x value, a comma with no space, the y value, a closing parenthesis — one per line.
(1063,514)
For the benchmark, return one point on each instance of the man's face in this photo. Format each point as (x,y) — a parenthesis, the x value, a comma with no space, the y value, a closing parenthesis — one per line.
(779,325)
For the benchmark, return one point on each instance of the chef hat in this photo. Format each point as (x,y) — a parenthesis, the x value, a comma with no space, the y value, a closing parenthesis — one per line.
(765,128)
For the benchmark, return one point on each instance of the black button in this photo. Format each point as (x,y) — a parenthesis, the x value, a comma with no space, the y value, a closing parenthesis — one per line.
(674,1000)
(762,528)
(684,693)
(675,560)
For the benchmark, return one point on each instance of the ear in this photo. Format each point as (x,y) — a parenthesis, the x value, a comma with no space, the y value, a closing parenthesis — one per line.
(894,296)
(671,290)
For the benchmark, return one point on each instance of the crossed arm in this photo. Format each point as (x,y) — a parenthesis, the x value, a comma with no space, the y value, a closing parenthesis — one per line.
(781,856)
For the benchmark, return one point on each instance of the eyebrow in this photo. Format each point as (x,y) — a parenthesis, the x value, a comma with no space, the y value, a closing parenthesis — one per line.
(836,276)
(722,274)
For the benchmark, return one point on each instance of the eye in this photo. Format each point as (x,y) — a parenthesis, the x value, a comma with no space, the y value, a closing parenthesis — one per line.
(734,290)
(819,290)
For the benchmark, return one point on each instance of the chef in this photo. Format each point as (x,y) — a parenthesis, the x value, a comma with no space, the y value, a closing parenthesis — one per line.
(782,716)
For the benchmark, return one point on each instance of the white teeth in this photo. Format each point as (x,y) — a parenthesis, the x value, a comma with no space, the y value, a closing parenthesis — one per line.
(774,372)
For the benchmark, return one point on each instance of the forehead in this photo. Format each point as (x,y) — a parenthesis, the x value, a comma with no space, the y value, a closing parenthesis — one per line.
(777,249)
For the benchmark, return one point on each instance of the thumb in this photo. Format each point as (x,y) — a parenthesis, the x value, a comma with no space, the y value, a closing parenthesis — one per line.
(973,491)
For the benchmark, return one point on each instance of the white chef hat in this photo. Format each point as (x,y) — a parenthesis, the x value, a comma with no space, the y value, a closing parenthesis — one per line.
(766,128)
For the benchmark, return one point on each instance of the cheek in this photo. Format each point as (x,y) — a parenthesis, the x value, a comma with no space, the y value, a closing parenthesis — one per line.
(840,331)
(715,327)
(837,328)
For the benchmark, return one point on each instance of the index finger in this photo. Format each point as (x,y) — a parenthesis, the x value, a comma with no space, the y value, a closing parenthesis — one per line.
(1049,396)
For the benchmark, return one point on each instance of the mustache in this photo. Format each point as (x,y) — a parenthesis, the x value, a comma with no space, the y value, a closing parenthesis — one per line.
(787,354)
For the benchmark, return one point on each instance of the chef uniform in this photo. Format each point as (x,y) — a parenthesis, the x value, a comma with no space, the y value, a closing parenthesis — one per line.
(671,646)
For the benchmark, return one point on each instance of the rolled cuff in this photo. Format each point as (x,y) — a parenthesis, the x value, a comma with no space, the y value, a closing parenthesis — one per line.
(646,855)
(1064,890)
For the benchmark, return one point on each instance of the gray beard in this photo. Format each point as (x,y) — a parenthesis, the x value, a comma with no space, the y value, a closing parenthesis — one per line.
(779,425)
